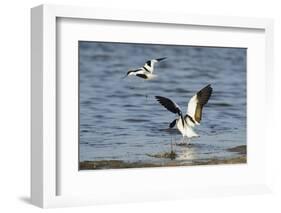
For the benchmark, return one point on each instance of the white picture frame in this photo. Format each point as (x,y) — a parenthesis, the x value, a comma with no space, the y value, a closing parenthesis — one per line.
(46,170)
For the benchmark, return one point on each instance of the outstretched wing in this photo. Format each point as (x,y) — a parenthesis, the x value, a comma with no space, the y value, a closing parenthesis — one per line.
(149,65)
(168,104)
(197,102)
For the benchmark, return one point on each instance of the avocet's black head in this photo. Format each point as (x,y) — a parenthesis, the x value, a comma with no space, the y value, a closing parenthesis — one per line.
(128,73)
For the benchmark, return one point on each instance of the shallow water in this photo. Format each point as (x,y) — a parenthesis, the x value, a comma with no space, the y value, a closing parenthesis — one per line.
(118,121)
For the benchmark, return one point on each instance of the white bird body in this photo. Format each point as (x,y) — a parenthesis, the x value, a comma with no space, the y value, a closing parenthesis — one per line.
(146,75)
(186,123)
(149,65)
(187,129)
(146,71)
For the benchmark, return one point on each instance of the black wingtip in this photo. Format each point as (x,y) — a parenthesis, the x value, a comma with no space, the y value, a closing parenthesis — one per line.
(204,94)
(209,86)
(160,59)
(173,123)
(157,97)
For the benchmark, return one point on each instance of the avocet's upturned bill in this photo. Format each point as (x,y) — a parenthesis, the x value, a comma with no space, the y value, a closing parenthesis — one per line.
(186,123)
(146,71)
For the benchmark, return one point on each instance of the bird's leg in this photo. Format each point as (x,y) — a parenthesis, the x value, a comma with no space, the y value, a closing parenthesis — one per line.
(185,140)
(146,95)
(171,145)
(172,140)
(145,89)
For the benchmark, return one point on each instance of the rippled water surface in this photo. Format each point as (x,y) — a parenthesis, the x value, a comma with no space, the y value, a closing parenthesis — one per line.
(118,121)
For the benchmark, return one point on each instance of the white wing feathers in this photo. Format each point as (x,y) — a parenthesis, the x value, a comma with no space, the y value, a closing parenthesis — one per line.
(149,65)
(191,109)
(197,102)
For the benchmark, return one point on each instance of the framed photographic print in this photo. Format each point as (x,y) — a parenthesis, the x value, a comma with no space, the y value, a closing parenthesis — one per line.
(122,126)
(146,105)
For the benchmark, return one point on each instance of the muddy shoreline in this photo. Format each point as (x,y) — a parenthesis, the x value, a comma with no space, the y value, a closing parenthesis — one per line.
(118,164)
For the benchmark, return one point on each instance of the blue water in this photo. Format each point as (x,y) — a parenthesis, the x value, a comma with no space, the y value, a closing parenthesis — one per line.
(118,121)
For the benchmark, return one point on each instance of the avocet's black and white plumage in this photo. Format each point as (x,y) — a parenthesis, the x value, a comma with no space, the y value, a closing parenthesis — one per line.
(186,123)
(146,71)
